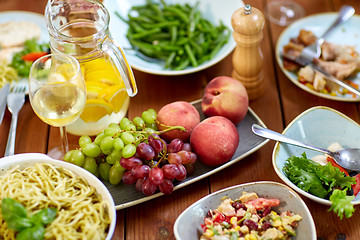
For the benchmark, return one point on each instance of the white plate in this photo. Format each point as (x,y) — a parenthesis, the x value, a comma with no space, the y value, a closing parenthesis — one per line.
(213,10)
(347,34)
(27,17)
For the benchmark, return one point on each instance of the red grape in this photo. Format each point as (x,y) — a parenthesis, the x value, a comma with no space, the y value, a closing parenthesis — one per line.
(145,151)
(182,174)
(156,176)
(140,171)
(128,178)
(148,187)
(190,168)
(166,186)
(170,171)
(129,163)
(155,143)
(175,145)
(186,147)
(138,184)
(174,158)
(187,157)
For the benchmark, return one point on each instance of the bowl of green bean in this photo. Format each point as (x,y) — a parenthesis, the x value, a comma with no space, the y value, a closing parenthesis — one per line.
(173,37)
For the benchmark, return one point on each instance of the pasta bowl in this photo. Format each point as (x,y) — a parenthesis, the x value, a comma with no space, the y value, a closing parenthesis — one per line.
(69,172)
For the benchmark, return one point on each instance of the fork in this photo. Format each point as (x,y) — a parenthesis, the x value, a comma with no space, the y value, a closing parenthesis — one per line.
(15,101)
(314,50)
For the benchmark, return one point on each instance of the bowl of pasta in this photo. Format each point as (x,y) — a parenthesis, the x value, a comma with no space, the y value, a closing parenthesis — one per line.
(82,207)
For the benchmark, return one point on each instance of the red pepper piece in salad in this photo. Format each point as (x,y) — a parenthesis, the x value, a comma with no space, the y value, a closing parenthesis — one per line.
(31,57)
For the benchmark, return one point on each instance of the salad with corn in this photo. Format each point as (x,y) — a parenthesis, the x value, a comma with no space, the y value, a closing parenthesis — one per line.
(249,218)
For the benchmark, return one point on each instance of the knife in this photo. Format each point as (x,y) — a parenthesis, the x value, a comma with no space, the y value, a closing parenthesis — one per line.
(304,62)
(3,94)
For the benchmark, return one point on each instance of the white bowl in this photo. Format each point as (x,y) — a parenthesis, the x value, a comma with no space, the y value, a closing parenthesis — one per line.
(319,126)
(213,10)
(188,225)
(29,159)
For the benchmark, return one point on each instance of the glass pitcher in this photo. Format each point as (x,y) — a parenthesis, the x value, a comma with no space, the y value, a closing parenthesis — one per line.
(81,28)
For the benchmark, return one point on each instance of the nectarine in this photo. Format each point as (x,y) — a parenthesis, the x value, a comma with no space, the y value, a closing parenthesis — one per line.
(214,140)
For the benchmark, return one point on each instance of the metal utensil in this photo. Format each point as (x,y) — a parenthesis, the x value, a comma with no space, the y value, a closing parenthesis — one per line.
(348,158)
(314,50)
(3,95)
(316,67)
(15,101)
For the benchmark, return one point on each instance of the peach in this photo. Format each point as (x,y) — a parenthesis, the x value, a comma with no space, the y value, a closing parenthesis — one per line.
(227,97)
(214,140)
(178,113)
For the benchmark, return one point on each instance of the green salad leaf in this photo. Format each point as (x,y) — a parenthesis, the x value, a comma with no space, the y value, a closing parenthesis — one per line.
(326,182)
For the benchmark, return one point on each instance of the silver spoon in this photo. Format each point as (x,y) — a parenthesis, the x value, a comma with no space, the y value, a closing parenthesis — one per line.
(348,158)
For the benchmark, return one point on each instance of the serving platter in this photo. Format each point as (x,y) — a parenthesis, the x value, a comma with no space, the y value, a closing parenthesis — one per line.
(126,195)
(347,34)
(213,10)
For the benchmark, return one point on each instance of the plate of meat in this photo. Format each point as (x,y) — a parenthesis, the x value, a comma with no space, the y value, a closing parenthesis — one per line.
(340,55)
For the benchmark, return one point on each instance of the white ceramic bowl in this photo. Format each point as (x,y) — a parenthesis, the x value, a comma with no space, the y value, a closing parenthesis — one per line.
(29,159)
(188,225)
(213,10)
(319,126)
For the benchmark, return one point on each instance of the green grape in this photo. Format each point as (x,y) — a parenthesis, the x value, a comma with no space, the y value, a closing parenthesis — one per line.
(114,156)
(152,112)
(99,138)
(130,127)
(83,140)
(139,123)
(114,125)
(106,144)
(91,150)
(152,125)
(77,157)
(129,150)
(139,137)
(110,131)
(118,144)
(104,169)
(90,165)
(108,152)
(68,156)
(127,138)
(148,117)
(150,130)
(116,172)
(124,122)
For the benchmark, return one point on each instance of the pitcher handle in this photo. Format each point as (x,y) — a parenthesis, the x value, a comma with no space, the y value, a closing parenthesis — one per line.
(116,53)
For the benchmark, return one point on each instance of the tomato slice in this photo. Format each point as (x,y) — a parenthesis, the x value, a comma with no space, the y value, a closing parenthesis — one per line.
(332,161)
(356,187)
(31,57)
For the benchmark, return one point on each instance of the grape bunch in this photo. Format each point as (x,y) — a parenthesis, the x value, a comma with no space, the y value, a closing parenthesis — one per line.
(157,164)
(134,152)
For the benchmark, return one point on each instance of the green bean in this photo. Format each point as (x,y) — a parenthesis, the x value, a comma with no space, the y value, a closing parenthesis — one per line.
(176,33)
(190,55)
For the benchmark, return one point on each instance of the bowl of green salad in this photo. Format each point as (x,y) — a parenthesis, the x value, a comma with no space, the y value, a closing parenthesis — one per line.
(313,174)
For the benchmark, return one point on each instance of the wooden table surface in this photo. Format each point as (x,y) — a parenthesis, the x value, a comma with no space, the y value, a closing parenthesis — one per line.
(280,104)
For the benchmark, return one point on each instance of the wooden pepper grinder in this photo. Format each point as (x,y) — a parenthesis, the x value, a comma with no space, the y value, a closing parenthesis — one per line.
(248,23)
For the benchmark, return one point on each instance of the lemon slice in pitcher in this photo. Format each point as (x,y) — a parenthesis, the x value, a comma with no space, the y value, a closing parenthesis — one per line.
(95,109)
(93,89)
(116,95)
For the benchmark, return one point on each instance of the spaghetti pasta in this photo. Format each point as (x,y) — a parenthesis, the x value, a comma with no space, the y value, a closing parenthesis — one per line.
(81,212)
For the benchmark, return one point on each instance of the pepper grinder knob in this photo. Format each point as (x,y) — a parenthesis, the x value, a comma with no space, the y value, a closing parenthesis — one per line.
(248,23)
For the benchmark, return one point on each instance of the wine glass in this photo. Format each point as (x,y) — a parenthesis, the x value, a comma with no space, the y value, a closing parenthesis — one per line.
(57,94)
(284,12)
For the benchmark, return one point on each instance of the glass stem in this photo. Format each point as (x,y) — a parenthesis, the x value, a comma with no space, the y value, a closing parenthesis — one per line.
(64,140)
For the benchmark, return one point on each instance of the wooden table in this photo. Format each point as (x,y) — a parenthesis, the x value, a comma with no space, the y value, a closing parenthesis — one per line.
(280,104)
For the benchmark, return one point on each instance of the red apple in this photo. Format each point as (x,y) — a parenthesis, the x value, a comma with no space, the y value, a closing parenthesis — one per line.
(227,97)
(178,113)
(214,140)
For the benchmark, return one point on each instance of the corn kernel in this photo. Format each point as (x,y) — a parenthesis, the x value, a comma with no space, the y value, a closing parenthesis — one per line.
(250,236)
(208,233)
(233,221)
(237,228)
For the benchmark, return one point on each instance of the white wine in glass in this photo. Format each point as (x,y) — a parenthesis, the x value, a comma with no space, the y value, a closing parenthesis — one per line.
(284,12)
(57,93)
